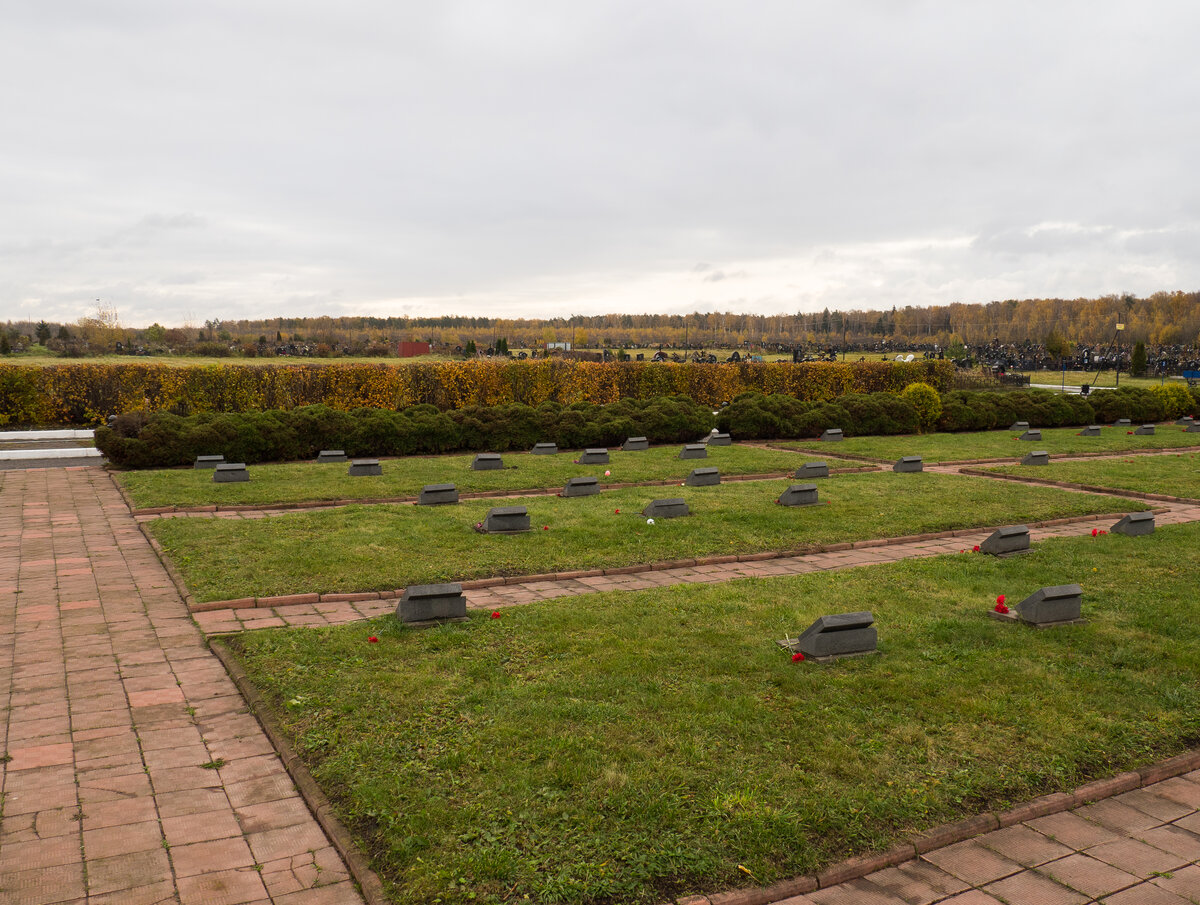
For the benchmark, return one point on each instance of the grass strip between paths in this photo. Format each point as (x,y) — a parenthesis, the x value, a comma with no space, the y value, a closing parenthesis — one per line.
(307,481)
(367,548)
(656,743)
(1173,475)
(1057,441)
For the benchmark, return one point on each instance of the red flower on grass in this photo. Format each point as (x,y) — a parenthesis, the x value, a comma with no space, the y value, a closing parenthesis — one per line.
(797,657)
(1095,531)
(1000,600)
(373,640)
(545,527)
(495,614)
(1001,608)
(975,549)
(617,511)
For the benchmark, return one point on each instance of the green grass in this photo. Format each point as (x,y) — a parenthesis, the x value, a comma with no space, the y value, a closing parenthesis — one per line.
(361,548)
(405,477)
(636,746)
(1174,475)
(999,444)
(1100,381)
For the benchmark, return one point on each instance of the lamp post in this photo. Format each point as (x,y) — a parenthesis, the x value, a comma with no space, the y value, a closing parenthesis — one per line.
(1120,327)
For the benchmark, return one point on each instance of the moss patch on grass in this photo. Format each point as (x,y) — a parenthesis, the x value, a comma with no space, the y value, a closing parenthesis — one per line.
(632,747)
(365,548)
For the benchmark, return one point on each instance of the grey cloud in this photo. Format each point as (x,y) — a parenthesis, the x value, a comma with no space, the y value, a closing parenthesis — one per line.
(387,153)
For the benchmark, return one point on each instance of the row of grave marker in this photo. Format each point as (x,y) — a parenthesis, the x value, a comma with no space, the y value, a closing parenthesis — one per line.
(1146,430)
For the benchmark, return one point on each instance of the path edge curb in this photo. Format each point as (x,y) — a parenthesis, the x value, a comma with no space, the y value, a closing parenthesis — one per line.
(637,568)
(947,834)
(356,862)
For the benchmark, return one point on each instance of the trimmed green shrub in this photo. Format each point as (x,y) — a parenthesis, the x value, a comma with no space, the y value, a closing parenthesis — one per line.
(141,440)
(927,402)
(1175,398)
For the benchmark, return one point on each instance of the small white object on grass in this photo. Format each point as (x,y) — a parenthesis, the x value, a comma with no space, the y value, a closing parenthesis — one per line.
(649,521)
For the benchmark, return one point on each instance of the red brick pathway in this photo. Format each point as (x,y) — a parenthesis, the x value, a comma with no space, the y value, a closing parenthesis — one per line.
(110,709)
(110,706)
(335,613)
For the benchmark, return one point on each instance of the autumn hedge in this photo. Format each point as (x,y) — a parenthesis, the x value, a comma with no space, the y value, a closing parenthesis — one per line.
(82,393)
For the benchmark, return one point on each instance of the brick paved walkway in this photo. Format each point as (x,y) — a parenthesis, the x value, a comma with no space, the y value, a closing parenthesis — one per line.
(497,597)
(110,708)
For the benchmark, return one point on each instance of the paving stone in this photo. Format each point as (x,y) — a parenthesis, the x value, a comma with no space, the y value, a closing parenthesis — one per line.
(972,862)
(1146,894)
(1031,888)
(1024,845)
(1136,857)
(1071,830)
(1174,839)
(1087,875)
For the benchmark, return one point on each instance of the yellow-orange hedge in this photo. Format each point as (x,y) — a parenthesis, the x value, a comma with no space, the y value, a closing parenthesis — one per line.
(82,393)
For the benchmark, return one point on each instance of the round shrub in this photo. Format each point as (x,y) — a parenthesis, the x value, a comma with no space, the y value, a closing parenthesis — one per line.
(1175,398)
(926,401)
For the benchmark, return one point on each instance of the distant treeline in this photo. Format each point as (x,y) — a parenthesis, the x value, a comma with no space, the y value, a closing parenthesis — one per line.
(1162,319)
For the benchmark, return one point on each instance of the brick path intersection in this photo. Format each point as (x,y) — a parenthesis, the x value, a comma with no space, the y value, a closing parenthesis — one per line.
(133,773)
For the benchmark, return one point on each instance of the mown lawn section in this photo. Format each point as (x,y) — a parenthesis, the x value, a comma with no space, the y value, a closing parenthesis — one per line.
(363,548)
(632,747)
(998,444)
(405,477)
(1173,475)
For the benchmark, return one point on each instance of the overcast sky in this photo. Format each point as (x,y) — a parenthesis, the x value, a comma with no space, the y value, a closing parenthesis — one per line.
(246,158)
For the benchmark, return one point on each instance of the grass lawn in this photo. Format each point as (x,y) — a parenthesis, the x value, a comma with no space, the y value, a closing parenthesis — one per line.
(1106,380)
(405,477)
(630,747)
(1177,475)
(362,548)
(998,444)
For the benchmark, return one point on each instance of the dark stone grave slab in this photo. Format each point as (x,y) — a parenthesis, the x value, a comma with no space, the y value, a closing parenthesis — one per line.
(635,444)
(799,495)
(230,473)
(1146,430)
(437,495)
(581,487)
(1056,605)
(1193,428)
(1092,430)
(837,635)
(1136,524)
(1034,435)
(205,462)
(361,468)
(1037,457)
(487,462)
(593,457)
(544,449)
(694,451)
(331,455)
(909,464)
(1122,422)
(1185,421)
(833,433)
(1006,541)
(1019,426)
(430,604)
(703,477)
(668,508)
(506,520)
(719,440)
(812,470)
